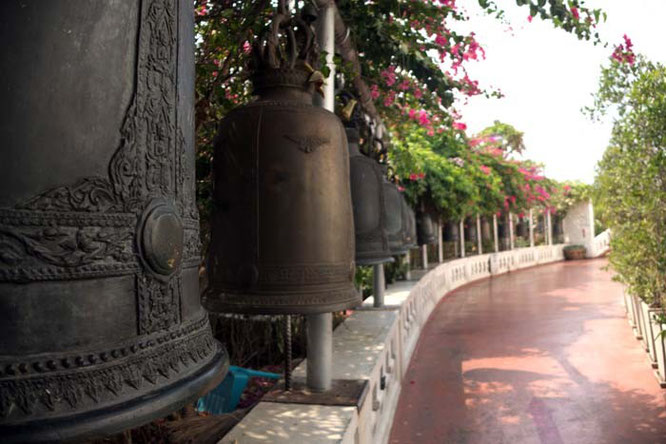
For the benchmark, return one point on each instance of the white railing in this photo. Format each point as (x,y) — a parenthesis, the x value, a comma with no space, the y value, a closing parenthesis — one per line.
(601,244)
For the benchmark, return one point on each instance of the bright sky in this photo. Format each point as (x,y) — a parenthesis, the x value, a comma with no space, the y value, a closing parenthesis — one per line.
(547,76)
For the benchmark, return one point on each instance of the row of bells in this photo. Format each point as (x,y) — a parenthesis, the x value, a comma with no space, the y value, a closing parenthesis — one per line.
(101,319)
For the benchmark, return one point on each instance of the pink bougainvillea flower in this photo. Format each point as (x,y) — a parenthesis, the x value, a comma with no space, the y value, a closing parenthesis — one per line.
(389,75)
(413,176)
(459,126)
(485,169)
(412,114)
(421,175)
(374,92)
(423,118)
(575,13)
(530,18)
(247,48)
(418,93)
(401,188)
(390,97)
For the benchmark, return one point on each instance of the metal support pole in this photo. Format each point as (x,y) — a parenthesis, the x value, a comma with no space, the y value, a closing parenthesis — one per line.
(319,333)
(462,237)
(287,352)
(319,329)
(424,256)
(511,236)
(440,241)
(549,228)
(495,236)
(531,228)
(378,285)
(479,241)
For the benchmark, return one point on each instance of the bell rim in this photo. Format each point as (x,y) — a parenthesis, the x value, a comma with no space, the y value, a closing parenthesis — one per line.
(221,301)
(374,260)
(125,415)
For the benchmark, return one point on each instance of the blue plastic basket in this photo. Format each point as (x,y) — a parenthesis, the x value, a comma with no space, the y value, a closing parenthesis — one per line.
(224,398)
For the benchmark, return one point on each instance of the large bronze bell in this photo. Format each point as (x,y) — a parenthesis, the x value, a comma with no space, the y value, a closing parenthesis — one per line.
(410,234)
(368,201)
(522,229)
(282,225)
(101,325)
(451,232)
(470,230)
(396,218)
(556,221)
(486,230)
(425,230)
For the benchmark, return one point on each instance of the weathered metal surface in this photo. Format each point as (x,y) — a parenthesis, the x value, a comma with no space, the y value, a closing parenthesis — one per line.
(451,232)
(368,199)
(282,225)
(100,319)
(396,218)
(410,234)
(425,228)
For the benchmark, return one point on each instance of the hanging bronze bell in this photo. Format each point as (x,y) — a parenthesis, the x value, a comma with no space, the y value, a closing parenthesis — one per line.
(282,225)
(557,224)
(425,230)
(368,200)
(100,319)
(410,234)
(486,230)
(470,229)
(396,218)
(451,232)
(521,228)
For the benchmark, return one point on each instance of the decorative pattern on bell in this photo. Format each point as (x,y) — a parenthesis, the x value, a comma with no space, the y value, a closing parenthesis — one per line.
(282,225)
(425,230)
(368,201)
(100,319)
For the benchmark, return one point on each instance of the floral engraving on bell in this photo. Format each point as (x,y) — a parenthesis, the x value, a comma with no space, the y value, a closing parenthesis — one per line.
(308,144)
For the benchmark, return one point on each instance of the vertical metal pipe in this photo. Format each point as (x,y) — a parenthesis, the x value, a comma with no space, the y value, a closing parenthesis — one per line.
(319,351)
(495,236)
(531,228)
(511,235)
(319,329)
(326,40)
(378,285)
(424,256)
(287,352)
(462,237)
(440,241)
(479,241)
(549,227)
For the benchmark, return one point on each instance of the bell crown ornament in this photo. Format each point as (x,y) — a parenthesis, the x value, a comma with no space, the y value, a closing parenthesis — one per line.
(285,55)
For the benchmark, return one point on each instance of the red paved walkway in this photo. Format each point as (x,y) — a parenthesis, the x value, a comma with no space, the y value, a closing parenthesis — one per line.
(543,355)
